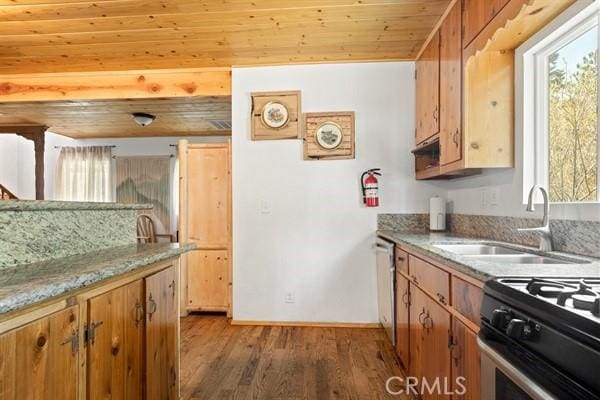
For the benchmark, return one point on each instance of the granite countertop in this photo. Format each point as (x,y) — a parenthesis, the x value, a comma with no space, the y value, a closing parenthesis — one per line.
(24,285)
(485,270)
(43,205)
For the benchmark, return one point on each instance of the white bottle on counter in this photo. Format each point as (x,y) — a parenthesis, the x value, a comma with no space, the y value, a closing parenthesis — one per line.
(437,214)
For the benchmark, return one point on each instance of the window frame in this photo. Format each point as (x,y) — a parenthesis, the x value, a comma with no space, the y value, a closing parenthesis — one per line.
(532,92)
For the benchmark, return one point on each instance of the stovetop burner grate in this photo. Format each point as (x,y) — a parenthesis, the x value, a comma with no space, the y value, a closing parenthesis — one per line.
(583,294)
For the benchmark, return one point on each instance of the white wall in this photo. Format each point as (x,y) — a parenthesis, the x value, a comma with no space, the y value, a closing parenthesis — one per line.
(17,165)
(314,239)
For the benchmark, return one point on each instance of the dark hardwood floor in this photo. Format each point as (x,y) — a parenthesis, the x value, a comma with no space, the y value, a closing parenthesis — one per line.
(220,361)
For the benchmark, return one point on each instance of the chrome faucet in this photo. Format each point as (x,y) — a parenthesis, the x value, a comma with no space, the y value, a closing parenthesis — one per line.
(544,231)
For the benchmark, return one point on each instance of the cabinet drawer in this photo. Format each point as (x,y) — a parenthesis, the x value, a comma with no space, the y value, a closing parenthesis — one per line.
(466,299)
(430,278)
(401,260)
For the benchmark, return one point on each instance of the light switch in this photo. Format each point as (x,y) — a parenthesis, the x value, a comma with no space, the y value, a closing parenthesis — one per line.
(265,207)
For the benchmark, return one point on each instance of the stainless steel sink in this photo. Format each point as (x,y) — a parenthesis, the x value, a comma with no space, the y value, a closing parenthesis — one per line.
(524,258)
(501,254)
(476,249)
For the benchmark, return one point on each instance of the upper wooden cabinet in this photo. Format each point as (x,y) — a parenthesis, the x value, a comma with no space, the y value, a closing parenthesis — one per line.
(476,85)
(451,87)
(40,359)
(477,14)
(427,77)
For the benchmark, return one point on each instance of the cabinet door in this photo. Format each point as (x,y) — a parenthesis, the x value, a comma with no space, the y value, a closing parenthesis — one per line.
(428,91)
(403,321)
(115,344)
(208,280)
(451,87)
(208,195)
(431,336)
(477,14)
(39,360)
(466,362)
(162,336)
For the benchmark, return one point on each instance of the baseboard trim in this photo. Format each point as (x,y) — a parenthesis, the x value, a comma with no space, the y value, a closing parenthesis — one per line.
(309,324)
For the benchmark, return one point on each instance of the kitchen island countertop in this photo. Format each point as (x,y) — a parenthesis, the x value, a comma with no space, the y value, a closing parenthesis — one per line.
(25,285)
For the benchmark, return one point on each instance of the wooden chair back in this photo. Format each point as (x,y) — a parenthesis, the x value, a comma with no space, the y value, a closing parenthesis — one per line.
(146,231)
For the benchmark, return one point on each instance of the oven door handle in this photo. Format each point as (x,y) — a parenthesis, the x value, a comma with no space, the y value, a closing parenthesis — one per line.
(520,379)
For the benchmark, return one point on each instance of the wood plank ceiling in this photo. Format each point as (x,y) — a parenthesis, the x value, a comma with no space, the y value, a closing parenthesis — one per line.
(105,35)
(185,116)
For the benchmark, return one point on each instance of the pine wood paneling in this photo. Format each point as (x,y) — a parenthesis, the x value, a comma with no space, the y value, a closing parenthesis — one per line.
(183,116)
(59,36)
(403,321)
(466,362)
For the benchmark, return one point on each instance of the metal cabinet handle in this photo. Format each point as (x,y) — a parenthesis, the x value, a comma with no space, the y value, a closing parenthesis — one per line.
(172,287)
(428,322)
(406,298)
(455,352)
(151,307)
(73,340)
(455,137)
(139,313)
(421,315)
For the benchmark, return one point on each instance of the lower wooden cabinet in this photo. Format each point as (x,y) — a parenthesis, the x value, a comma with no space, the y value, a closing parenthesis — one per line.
(115,343)
(208,280)
(39,360)
(466,362)
(436,340)
(120,343)
(162,336)
(403,321)
(430,360)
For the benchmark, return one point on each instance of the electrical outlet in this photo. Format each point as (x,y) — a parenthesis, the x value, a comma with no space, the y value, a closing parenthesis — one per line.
(265,207)
(484,198)
(290,298)
(493,195)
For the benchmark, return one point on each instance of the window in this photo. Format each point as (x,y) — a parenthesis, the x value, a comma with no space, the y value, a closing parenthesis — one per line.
(564,72)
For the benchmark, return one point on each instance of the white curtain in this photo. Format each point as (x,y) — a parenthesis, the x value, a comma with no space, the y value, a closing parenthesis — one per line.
(84,174)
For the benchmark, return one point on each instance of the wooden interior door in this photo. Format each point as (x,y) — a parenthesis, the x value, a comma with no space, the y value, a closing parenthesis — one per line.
(466,362)
(403,321)
(477,14)
(208,195)
(116,344)
(428,91)
(162,336)
(208,280)
(451,87)
(39,360)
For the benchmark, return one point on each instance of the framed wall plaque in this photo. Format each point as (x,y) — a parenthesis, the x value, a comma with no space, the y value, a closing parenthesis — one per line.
(328,135)
(275,115)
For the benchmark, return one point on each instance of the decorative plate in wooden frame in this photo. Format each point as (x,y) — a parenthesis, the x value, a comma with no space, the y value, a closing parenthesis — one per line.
(275,115)
(328,135)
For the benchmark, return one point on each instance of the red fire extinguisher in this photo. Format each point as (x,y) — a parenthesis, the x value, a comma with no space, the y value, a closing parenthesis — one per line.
(370,187)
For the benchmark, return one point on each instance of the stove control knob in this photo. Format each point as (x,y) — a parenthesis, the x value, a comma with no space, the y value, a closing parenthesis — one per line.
(518,329)
(500,319)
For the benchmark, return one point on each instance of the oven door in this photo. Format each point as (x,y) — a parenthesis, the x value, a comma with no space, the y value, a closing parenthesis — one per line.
(500,380)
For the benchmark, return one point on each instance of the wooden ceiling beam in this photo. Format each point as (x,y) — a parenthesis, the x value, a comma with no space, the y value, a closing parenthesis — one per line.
(116,85)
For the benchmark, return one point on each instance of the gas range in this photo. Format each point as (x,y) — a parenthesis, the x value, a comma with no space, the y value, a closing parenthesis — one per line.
(547,331)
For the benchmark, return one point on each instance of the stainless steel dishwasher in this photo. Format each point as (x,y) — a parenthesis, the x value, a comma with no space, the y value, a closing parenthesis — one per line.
(386,280)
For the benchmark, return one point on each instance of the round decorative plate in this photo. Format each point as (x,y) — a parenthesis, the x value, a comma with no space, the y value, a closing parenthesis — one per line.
(275,115)
(329,135)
